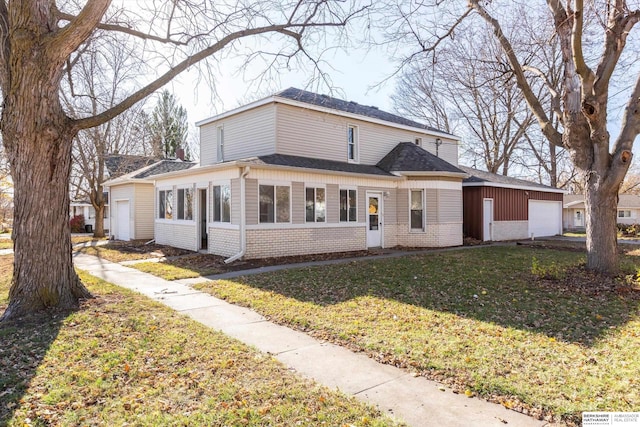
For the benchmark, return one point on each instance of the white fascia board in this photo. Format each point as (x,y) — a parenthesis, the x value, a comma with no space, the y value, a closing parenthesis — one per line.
(433,173)
(515,187)
(250,106)
(287,101)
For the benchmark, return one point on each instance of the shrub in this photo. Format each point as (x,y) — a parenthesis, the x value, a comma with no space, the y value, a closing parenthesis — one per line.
(77,224)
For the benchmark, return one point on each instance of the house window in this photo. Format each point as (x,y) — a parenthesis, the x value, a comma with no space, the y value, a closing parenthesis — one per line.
(418,142)
(348,205)
(624,214)
(315,204)
(275,203)
(417,210)
(221,203)
(352,143)
(165,204)
(185,203)
(220,145)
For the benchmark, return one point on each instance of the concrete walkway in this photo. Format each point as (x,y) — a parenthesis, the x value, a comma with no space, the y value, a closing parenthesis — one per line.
(415,400)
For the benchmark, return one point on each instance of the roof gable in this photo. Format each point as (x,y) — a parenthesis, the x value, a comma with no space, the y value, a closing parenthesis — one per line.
(350,107)
(122,164)
(478,177)
(409,157)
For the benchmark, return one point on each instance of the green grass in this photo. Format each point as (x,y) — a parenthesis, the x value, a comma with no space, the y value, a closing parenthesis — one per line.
(477,320)
(166,270)
(125,360)
(6,244)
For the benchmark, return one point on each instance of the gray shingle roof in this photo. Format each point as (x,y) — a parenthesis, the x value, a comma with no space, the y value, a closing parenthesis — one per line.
(163,166)
(408,157)
(122,164)
(349,107)
(478,176)
(312,163)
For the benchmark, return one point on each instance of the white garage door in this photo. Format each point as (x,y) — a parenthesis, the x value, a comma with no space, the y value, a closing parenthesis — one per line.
(545,218)
(122,220)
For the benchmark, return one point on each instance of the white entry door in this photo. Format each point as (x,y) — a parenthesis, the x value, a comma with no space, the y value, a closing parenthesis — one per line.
(122,220)
(374,221)
(487,219)
(578,220)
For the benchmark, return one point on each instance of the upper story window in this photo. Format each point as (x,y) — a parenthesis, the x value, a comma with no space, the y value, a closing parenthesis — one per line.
(352,143)
(275,203)
(185,203)
(220,143)
(221,203)
(165,204)
(315,204)
(348,204)
(418,142)
(417,210)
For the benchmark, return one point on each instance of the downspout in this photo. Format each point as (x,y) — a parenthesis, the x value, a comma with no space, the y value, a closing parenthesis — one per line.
(243,219)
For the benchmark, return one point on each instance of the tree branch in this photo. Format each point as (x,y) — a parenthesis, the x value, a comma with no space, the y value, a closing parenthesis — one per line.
(582,68)
(69,38)
(534,103)
(127,30)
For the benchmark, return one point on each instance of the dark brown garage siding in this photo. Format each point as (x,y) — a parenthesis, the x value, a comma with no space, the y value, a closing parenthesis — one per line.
(508,204)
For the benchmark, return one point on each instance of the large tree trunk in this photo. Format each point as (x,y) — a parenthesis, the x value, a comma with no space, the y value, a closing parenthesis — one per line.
(38,138)
(602,242)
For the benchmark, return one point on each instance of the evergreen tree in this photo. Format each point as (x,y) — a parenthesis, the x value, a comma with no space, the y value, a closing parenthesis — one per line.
(168,126)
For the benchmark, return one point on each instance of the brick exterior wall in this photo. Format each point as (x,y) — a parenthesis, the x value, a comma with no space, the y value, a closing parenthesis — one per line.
(435,235)
(298,241)
(224,241)
(510,230)
(176,235)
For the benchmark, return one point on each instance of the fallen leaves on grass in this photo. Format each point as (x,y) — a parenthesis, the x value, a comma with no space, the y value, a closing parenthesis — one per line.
(124,360)
(550,349)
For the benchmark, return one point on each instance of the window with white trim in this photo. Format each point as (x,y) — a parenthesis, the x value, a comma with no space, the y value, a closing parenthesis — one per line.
(348,204)
(165,204)
(185,203)
(417,210)
(220,143)
(221,203)
(352,143)
(275,203)
(418,142)
(624,214)
(315,206)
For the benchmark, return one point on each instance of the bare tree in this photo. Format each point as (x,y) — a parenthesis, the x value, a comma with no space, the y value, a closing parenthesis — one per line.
(98,81)
(40,41)
(581,105)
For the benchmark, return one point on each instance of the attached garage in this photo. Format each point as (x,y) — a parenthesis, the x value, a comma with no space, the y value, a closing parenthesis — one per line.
(497,207)
(545,218)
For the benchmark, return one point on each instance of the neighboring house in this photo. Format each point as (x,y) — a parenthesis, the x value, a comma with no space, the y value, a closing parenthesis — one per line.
(498,207)
(132,198)
(300,173)
(86,209)
(574,212)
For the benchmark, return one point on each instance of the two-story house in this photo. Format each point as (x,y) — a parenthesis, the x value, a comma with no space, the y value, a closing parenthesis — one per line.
(300,173)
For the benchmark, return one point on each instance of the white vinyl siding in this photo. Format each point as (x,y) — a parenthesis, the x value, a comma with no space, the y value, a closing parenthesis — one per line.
(307,133)
(143,213)
(250,133)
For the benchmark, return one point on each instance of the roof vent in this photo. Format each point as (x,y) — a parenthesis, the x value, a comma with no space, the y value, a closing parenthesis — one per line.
(374,107)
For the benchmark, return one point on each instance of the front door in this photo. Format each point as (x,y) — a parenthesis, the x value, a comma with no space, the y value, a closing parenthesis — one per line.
(374,221)
(204,237)
(487,219)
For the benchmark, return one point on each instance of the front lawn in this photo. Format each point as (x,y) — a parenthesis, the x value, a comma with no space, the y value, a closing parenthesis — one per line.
(522,326)
(119,251)
(6,244)
(125,360)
